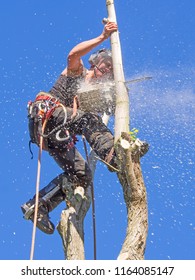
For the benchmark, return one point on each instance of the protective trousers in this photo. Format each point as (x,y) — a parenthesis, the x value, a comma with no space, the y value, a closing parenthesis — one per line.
(70,160)
(76,170)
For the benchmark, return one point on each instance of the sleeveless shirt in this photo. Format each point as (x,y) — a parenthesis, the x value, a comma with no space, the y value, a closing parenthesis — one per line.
(65,88)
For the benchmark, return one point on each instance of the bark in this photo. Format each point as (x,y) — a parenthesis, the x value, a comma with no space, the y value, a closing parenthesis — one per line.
(136,201)
(128,159)
(122,114)
(70,227)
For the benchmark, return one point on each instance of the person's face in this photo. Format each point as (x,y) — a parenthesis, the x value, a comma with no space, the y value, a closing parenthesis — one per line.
(106,66)
(104,69)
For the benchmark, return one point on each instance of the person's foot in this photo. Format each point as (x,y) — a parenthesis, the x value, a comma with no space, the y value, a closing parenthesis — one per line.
(43,220)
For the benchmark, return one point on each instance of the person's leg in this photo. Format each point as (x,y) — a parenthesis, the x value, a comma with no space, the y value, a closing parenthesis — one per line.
(101,138)
(49,198)
(77,173)
(96,133)
(76,168)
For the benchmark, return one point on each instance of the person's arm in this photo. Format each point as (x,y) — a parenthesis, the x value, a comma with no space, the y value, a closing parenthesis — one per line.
(74,64)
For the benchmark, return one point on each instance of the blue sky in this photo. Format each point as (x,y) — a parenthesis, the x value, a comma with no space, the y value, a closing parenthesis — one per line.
(157,39)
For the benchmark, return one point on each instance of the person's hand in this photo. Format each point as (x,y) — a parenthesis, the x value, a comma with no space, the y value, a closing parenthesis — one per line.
(109,28)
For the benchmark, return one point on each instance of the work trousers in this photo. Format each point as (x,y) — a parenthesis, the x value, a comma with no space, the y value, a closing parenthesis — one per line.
(89,125)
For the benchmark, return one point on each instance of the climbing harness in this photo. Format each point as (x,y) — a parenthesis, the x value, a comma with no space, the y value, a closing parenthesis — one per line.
(39,111)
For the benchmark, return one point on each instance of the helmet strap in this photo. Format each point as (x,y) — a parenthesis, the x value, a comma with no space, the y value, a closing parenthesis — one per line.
(96,67)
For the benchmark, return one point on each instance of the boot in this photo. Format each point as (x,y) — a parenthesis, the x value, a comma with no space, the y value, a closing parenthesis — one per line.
(43,220)
(49,198)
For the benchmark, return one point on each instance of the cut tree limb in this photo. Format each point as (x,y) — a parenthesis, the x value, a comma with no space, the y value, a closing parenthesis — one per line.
(70,227)
(136,201)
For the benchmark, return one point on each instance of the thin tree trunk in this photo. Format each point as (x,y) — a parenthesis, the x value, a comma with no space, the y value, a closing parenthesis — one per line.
(71,227)
(131,177)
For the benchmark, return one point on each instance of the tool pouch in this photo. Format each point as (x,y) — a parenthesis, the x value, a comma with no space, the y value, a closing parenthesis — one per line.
(31,127)
(33,122)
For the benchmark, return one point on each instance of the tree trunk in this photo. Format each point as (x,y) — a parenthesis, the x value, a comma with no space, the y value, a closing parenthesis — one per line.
(78,201)
(128,159)
(135,198)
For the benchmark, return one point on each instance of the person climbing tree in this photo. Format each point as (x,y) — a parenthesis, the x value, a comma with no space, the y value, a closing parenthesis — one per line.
(59,108)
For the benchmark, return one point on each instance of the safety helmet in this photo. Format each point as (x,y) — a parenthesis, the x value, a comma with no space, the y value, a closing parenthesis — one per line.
(96,57)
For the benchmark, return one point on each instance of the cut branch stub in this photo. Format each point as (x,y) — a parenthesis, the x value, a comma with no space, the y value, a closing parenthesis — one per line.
(134,191)
(70,227)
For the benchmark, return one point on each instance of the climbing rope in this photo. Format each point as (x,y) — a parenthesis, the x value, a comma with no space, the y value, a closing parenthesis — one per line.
(37,192)
(93,201)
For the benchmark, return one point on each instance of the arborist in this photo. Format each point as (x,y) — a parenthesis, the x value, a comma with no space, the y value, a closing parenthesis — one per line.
(64,119)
